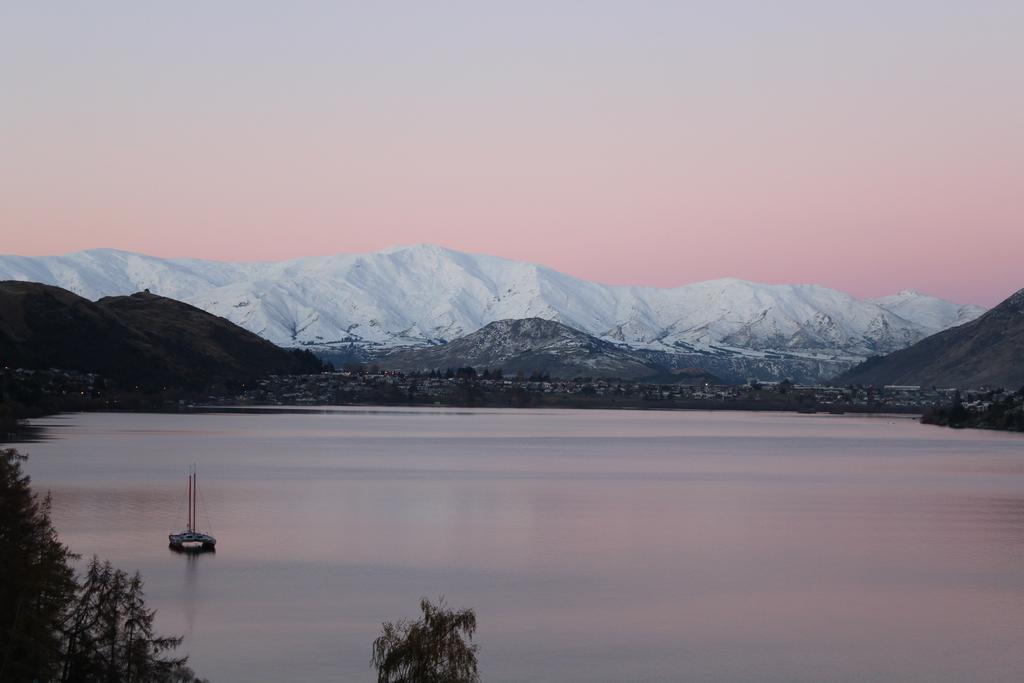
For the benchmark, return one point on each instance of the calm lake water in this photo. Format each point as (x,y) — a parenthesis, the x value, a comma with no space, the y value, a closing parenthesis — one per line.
(593,545)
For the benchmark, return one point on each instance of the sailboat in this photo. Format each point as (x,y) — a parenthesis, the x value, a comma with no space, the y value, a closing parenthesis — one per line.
(190,539)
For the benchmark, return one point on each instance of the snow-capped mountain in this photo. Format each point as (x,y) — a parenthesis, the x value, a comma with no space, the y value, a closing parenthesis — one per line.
(423,295)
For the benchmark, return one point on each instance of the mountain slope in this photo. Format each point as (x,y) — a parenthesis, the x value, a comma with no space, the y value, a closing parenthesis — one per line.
(424,295)
(531,345)
(986,351)
(143,339)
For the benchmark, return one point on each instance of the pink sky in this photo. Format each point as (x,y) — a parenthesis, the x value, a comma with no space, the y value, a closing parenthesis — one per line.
(629,144)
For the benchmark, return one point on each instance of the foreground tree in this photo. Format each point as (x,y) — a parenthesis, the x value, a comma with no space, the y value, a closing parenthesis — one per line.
(108,632)
(36,580)
(437,648)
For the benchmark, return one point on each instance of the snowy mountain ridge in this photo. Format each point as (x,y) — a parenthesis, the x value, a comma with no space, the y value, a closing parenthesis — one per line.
(424,295)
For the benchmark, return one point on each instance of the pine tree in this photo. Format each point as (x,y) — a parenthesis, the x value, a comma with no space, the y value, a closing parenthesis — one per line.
(109,635)
(36,579)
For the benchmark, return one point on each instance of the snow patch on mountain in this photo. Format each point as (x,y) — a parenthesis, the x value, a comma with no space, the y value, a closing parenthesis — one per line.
(927,310)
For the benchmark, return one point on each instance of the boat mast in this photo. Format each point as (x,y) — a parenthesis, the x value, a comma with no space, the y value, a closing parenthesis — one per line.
(189,501)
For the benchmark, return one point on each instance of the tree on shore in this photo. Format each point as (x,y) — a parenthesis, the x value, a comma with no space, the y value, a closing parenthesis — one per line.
(108,631)
(54,628)
(36,580)
(437,648)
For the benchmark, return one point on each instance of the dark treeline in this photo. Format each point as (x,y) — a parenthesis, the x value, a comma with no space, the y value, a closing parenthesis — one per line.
(993,410)
(493,388)
(55,626)
(466,373)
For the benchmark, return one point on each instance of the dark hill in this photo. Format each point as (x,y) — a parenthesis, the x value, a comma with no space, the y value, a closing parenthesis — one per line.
(535,345)
(988,351)
(143,339)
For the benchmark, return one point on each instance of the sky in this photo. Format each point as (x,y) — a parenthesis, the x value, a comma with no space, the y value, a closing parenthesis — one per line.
(866,146)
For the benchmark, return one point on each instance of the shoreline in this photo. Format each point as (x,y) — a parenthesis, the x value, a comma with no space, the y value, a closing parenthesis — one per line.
(32,432)
(28,431)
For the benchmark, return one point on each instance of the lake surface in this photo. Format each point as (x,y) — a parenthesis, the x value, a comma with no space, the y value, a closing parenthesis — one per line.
(593,545)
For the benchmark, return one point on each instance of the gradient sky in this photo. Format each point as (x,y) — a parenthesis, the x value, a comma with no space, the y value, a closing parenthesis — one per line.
(867,146)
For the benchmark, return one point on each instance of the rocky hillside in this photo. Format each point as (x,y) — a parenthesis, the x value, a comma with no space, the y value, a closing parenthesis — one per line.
(535,346)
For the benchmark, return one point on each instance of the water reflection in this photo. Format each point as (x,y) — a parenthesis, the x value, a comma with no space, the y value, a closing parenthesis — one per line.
(191,592)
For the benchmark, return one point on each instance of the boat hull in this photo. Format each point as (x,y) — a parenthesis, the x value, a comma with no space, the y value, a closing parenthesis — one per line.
(191,540)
